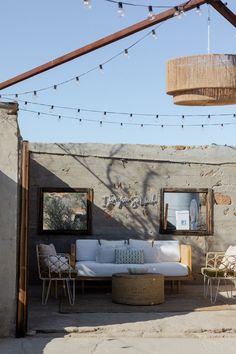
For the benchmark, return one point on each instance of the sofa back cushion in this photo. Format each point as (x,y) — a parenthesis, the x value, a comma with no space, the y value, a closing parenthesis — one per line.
(150,252)
(112,243)
(105,254)
(129,256)
(86,250)
(167,251)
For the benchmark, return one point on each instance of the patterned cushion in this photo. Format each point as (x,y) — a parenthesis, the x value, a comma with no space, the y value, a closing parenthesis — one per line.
(129,256)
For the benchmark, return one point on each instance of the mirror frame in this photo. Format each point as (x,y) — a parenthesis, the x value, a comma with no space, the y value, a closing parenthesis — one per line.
(209,212)
(85,231)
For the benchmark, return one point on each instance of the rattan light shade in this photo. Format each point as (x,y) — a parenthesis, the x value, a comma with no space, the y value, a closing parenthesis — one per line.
(202,80)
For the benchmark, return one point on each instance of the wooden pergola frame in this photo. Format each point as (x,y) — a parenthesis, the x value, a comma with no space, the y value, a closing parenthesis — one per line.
(21,325)
(163,16)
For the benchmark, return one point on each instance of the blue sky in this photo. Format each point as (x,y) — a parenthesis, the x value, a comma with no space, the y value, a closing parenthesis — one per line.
(35,32)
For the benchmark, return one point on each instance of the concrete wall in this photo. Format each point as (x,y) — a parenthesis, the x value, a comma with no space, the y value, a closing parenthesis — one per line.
(128,171)
(8,217)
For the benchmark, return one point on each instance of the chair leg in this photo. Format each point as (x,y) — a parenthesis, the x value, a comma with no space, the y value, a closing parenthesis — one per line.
(71,295)
(45,298)
(213,298)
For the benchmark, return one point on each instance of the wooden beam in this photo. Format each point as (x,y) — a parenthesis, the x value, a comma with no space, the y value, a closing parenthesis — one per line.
(223,10)
(163,16)
(22,303)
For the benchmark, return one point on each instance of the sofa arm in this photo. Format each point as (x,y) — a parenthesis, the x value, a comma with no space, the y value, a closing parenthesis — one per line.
(72,255)
(186,256)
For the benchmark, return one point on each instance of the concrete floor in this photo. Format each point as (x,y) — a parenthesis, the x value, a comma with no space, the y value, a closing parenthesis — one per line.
(124,333)
(47,319)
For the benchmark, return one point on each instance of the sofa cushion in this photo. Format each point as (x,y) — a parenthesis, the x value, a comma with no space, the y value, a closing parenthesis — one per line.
(95,269)
(105,254)
(129,256)
(112,243)
(86,250)
(168,251)
(150,252)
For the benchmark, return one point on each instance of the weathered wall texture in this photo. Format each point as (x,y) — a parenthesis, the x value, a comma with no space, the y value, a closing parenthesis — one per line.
(8,217)
(127,171)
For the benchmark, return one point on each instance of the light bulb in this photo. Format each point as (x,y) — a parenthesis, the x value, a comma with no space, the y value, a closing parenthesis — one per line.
(126,53)
(87,4)
(120,10)
(150,13)
(77,80)
(154,35)
(101,68)
(35,94)
(177,12)
(198,10)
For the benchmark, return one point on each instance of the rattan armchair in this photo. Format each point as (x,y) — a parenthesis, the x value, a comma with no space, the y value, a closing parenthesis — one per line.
(56,268)
(220,268)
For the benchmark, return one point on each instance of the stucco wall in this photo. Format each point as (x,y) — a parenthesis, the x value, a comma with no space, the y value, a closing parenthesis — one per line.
(8,217)
(125,171)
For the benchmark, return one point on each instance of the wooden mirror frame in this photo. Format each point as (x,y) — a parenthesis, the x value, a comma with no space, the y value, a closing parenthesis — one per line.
(209,212)
(62,231)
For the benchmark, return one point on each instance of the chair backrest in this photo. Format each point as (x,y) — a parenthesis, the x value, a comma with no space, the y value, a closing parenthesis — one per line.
(53,266)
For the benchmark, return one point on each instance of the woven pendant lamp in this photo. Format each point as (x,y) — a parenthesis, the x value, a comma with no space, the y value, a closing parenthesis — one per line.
(202,80)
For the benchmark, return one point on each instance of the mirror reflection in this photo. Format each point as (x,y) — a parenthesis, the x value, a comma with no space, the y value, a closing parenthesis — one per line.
(184,211)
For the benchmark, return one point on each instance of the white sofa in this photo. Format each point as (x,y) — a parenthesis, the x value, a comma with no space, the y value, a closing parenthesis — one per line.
(98,259)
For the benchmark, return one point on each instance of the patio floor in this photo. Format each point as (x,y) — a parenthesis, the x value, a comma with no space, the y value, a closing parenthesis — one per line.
(185,314)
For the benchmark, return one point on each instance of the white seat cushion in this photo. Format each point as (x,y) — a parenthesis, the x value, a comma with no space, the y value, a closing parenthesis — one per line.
(94,269)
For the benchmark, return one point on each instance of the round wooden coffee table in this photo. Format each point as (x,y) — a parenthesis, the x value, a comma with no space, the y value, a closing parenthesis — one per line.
(138,289)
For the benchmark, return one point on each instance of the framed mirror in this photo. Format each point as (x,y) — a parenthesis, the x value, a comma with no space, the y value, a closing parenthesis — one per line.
(186,211)
(65,210)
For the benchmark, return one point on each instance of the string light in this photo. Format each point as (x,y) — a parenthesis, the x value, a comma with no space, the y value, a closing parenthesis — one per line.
(87,72)
(77,79)
(129,123)
(128,114)
(101,68)
(141,5)
(120,10)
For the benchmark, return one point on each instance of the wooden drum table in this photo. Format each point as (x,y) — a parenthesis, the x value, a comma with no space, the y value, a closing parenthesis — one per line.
(138,289)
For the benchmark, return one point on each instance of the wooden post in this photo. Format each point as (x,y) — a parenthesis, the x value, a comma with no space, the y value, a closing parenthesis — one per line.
(21,322)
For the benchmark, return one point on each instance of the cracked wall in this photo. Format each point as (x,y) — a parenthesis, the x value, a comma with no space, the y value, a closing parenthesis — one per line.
(127,180)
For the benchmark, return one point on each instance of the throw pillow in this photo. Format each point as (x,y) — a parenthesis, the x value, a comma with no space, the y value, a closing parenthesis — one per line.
(129,256)
(229,259)
(47,250)
(44,252)
(105,254)
(58,264)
